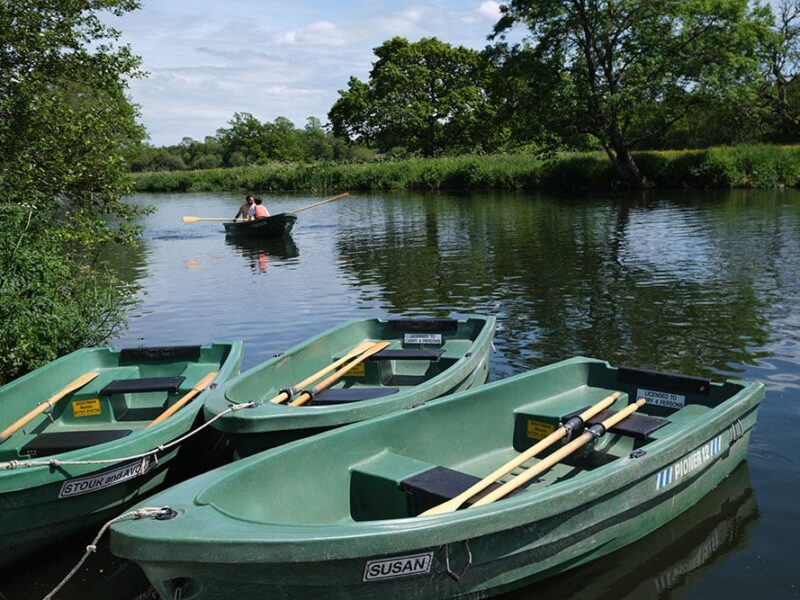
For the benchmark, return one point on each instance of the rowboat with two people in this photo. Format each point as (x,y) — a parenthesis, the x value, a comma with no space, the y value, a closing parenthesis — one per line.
(358,370)
(277,225)
(79,434)
(465,497)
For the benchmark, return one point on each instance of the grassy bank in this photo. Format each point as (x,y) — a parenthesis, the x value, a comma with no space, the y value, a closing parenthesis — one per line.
(760,166)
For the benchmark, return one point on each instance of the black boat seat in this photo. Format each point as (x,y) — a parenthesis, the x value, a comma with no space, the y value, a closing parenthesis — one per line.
(353,394)
(638,425)
(408,354)
(159,353)
(440,484)
(47,444)
(146,384)
(423,325)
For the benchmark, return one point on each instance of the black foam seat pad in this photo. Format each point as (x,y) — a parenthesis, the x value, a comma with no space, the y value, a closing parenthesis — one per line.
(47,444)
(146,384)
(423,325)
(409,354)
(353,394)
(637,425)
(441,484)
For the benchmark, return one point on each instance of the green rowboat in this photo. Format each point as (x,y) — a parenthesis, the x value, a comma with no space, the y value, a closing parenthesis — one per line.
(424,359)
(337,515)
(274,226)
(103,420)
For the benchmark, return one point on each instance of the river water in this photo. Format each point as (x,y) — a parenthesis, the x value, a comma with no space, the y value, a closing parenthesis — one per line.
(699,283)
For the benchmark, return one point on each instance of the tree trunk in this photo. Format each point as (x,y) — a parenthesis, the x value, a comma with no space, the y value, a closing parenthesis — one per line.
(623,162)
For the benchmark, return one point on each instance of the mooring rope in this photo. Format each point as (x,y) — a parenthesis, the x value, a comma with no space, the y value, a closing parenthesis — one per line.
(54,462)
(145,512)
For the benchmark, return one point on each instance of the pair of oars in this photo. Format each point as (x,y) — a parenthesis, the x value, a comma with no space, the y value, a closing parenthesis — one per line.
(296,210)
(354,357)
(541,466)
(81,381)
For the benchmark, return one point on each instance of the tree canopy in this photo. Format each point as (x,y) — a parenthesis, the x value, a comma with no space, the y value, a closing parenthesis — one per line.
(64,118)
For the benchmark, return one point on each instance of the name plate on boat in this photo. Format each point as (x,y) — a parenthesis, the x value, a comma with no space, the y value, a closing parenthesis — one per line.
(86,408)
(399,566)
(423,338)
(662,398)
(357,371)
(95,483)
(537,430)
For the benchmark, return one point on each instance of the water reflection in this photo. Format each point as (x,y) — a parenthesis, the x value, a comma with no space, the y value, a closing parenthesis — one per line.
(682,285)
(718,526)
(258,252)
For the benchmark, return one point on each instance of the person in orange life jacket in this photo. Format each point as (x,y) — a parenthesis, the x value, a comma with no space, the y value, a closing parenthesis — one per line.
(260,210)
(246,210)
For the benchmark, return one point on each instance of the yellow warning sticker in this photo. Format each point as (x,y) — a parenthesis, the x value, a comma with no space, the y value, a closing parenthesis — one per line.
(538,430)
(357,371)
(86,408)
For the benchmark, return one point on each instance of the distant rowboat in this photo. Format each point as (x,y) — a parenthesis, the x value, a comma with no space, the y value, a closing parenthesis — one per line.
(273,226)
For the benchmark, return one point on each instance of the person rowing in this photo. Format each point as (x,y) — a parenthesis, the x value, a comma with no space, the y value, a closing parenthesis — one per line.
(246,210)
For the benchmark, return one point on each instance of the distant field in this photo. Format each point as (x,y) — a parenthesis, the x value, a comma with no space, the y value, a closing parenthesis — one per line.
(752,166)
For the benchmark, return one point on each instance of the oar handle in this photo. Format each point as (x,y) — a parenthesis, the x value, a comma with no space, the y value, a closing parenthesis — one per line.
(196,389)
(455,503)
(283,396)
(196,219)
(556,457)
(72,386)
(331,199)
(305,396)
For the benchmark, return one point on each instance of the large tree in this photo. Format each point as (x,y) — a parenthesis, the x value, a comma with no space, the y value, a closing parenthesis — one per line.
(64,118)
(426,96)
(627,58)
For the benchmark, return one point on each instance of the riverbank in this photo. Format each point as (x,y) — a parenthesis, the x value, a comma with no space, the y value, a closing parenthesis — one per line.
(760,166)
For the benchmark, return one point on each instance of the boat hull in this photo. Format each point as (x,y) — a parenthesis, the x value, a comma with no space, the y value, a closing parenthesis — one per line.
(291,545)
(266,227)
(43,504)
(464,364)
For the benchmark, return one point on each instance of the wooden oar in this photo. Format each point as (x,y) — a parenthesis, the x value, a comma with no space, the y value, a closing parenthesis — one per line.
(198,387)
(591,433)
(455,503)
(196,219)
(362,347)
(296,210)
(331,199)
(305,396)
(66,390)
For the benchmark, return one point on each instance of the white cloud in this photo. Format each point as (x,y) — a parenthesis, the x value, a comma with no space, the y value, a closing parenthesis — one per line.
(319,33)
(489,10)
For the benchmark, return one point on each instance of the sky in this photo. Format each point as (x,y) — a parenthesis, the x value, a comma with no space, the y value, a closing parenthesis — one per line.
(207,59)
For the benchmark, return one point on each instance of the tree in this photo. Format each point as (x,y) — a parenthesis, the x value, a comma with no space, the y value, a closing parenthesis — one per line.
(427,96)
(783,68)
(625,57)
(64,120)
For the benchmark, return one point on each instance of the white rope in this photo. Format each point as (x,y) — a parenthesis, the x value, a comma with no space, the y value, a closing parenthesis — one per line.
(141,513)
(54,462)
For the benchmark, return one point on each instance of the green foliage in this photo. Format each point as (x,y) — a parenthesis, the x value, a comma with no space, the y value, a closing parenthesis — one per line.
(742,166)
(426,96)
(64,119)
(632,68)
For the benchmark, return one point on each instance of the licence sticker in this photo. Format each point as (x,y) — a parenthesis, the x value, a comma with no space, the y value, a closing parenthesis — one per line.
(662,398)
(399,566)
(357,371)
(423,338)
(100,481)
(86,408)
(538,430)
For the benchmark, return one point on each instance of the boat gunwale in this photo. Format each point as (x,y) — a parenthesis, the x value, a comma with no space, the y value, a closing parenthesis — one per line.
(335,540)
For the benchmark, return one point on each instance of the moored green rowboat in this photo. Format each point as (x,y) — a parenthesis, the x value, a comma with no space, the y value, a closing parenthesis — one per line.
(337,515)
(104,420)
(425,359)
(273,226)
